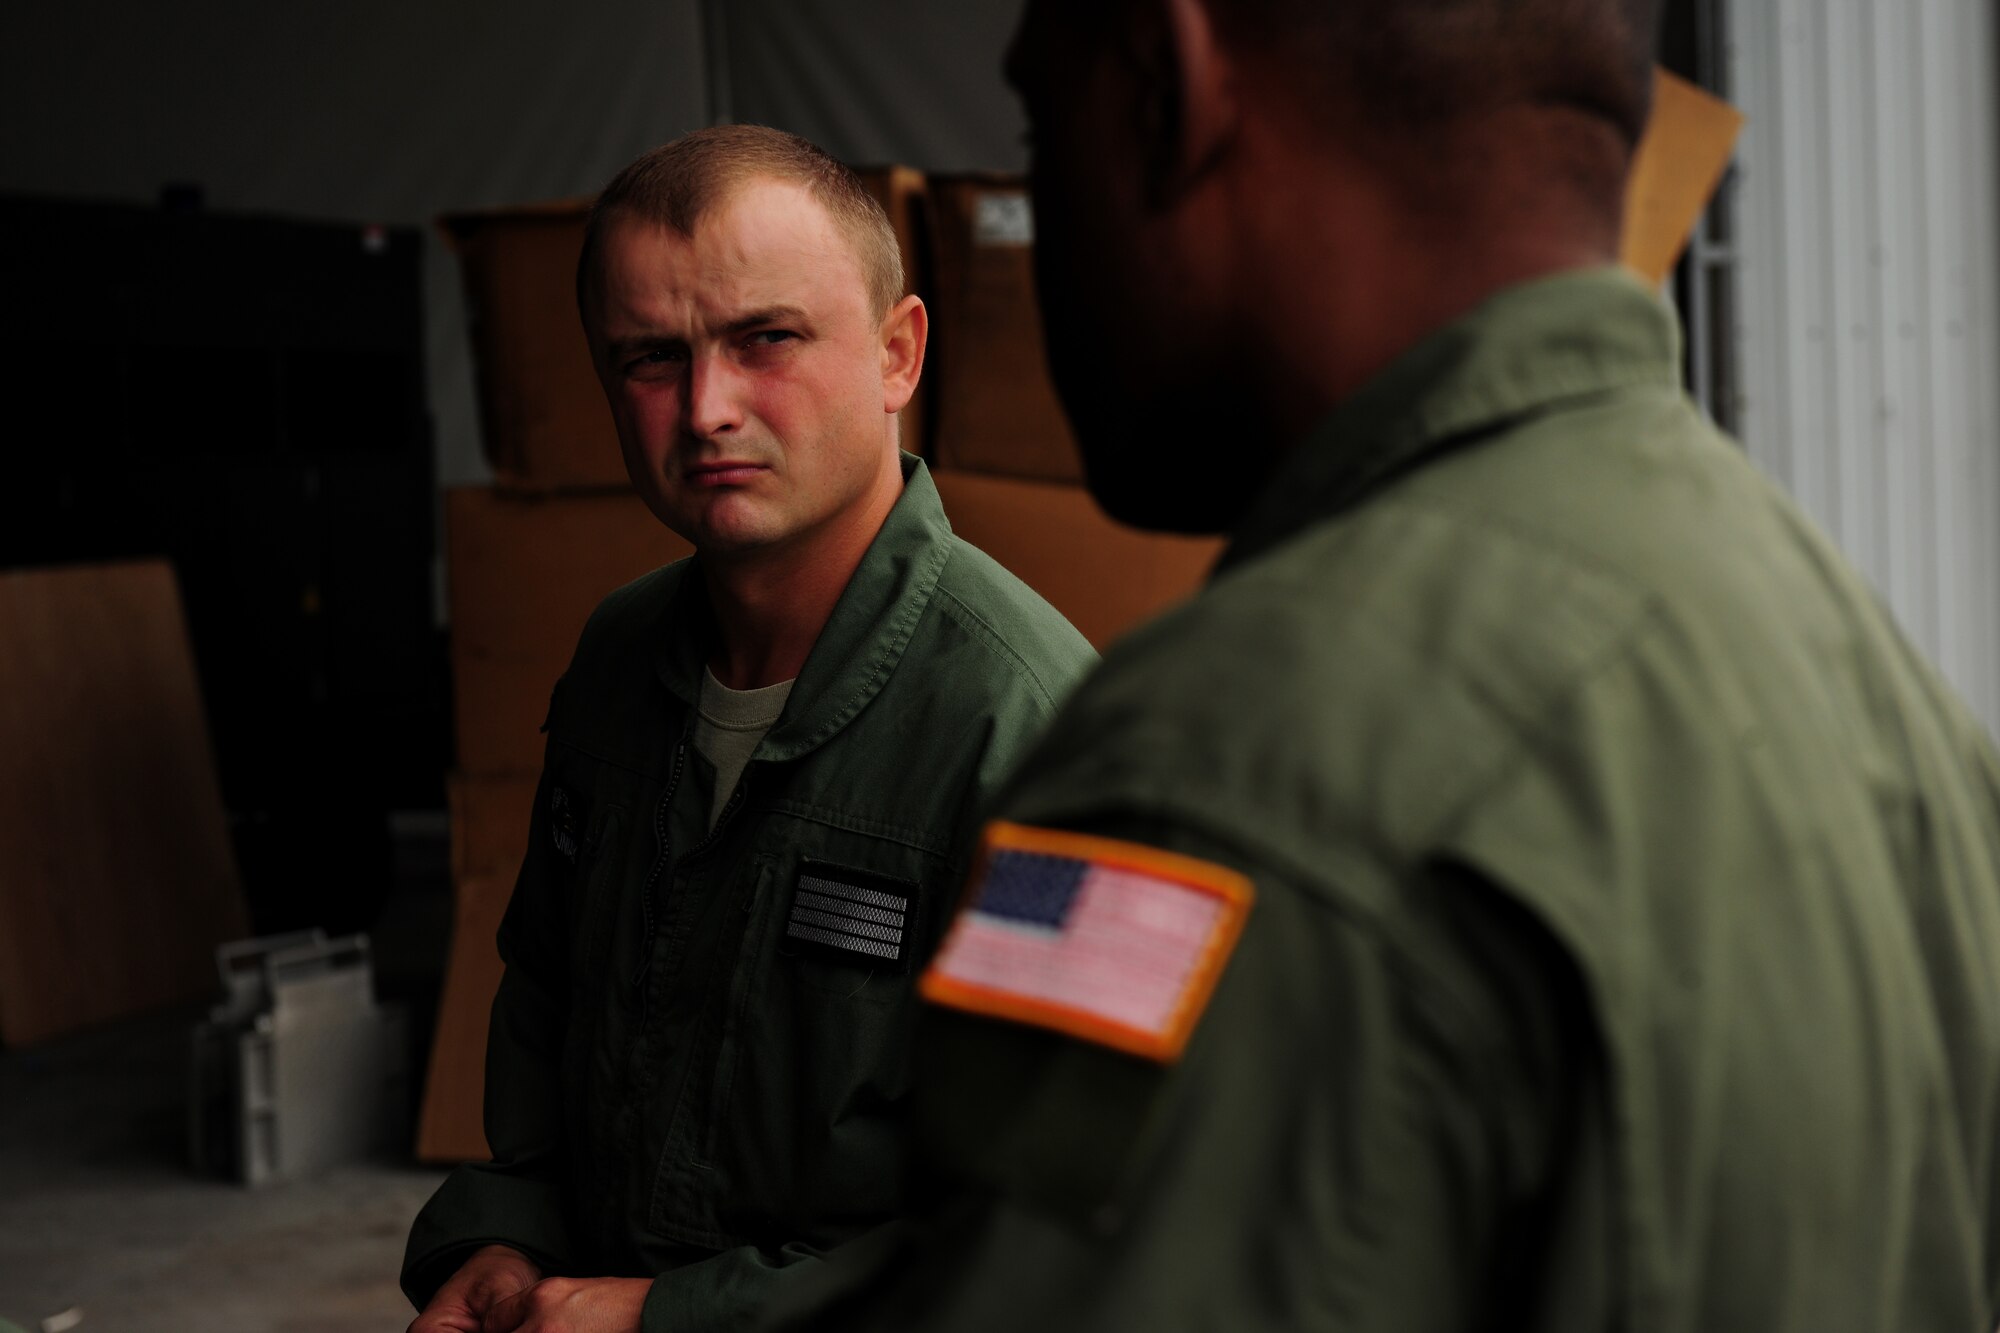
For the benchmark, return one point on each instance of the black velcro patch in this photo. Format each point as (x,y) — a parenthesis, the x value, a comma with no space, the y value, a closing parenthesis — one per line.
(852,916)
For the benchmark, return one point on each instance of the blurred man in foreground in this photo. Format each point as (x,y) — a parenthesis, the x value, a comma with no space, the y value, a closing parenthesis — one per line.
(1534,885)
(763,766)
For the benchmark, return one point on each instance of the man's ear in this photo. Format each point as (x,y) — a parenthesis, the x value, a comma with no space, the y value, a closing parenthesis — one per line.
(905,332)
(1187,94)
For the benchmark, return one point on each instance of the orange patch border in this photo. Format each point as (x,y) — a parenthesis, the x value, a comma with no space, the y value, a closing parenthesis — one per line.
(1206,877)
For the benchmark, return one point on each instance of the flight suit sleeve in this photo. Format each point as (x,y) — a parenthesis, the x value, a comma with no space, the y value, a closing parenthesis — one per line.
(727,1290)
(1367,1120)
(516,1198)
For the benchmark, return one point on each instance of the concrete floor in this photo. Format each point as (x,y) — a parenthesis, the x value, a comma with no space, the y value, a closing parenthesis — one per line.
(100,1213)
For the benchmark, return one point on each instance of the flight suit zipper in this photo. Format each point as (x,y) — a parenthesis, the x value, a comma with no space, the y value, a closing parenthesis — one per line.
(663,845)
(663,839)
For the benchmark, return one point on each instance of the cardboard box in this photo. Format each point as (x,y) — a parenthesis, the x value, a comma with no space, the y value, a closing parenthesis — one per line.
(1679,163)
(489,837)
(992,408)
(489,824)
(542,412)
(904,194)
(117,882)
(450,1126)
(1104,576)
(523,573)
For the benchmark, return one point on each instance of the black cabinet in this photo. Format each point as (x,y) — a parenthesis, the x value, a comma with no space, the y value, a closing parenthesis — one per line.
(245,396)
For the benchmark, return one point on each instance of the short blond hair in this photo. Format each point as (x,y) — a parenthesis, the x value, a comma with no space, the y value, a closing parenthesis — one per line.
(674,184)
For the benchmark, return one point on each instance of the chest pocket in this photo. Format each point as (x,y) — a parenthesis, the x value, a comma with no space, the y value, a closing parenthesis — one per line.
(585,815)
(592,813)
(593,894)
(803,1135)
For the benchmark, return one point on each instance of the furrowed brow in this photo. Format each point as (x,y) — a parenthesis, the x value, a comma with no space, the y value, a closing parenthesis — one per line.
(636,344)
(769,315)
(621,348)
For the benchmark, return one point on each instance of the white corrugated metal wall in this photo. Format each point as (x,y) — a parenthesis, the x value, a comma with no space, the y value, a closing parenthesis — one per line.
(1870,281)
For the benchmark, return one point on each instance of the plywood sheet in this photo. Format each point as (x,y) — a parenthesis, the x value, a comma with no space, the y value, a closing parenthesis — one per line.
(116,876)
(1679,163)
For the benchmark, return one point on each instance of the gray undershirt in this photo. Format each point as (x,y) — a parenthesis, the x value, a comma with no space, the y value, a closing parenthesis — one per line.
(728,726)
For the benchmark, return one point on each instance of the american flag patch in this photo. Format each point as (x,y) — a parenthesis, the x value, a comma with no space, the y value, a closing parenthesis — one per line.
(1113,942)
(852,916)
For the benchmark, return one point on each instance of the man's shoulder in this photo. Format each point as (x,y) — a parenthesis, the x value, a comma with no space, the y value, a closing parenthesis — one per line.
(625,625)
(1353,686)
(630,610)
(1593,590)
(1002,630)
(1403,614)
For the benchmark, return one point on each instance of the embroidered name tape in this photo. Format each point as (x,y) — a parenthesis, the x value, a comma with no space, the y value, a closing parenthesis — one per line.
(1110,941)
(851,916)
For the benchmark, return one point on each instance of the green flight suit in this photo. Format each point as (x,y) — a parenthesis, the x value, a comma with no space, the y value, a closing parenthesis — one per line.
(678,1081)
(1626,943)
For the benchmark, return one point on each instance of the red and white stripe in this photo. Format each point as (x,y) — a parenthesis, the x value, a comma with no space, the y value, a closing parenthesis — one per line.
(1126,952)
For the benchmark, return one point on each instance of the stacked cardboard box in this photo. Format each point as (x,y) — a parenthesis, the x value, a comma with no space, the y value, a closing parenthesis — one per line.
(1006,463)
(542,414)
(528,559)
(524,570)
(993,408)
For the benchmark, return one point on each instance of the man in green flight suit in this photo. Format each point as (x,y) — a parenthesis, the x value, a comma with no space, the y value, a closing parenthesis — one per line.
(762,775)
(1534,885)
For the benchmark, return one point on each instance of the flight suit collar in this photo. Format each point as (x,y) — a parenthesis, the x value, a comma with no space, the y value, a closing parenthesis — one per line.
(1520,352)
(863,640)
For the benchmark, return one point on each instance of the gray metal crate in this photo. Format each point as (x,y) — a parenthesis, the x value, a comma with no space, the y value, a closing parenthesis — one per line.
(298,1068)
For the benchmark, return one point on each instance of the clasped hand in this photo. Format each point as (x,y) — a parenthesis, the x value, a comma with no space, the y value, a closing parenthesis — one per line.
(501,1290)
